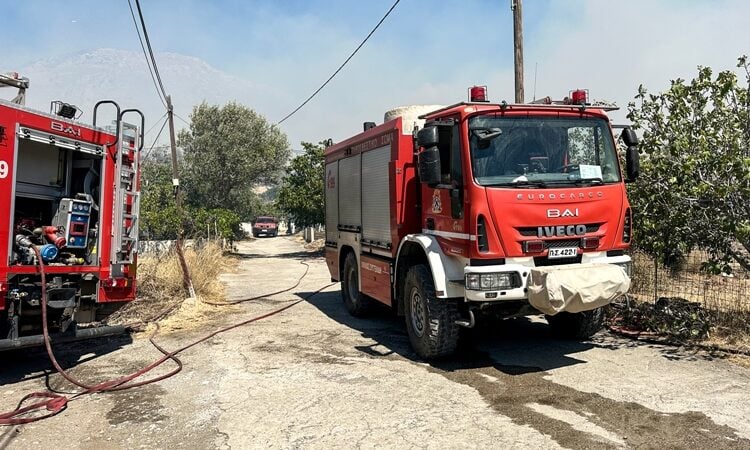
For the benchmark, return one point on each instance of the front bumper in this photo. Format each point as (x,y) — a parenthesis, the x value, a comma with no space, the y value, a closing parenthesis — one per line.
(522,267)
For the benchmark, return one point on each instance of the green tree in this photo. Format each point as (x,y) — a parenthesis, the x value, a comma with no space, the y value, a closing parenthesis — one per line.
(301,193)
(694,190)
(205,223)
(159,219)
(229,150)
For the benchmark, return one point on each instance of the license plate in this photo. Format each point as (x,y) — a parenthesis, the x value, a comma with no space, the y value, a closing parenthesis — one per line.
(565,252)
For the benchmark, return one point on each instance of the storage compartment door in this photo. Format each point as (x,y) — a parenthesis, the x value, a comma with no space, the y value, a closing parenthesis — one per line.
(332,201)
(350,194)
(376,210)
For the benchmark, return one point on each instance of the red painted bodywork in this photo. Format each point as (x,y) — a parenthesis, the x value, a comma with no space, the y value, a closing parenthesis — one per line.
(401,172)
(375,274)
(504,209)
(11,118)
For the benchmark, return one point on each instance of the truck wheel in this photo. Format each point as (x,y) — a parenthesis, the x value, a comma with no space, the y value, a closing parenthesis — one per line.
(356,303)
(430,321)
(580,325)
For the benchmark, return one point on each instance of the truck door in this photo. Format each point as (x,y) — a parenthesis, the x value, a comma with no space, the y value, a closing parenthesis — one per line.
(443,204)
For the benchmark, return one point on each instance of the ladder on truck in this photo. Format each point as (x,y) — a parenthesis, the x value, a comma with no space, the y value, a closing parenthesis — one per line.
(127,196)
(128,144)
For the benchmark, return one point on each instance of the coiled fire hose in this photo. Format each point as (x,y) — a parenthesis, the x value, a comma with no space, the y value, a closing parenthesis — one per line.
(55,403)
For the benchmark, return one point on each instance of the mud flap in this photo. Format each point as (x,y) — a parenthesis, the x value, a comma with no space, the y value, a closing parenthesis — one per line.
(576,287)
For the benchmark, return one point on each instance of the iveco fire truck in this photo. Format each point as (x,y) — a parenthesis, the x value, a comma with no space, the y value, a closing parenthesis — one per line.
(475,210)
(69,196)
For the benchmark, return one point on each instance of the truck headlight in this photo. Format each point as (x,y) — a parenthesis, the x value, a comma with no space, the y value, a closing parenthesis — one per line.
(491,281)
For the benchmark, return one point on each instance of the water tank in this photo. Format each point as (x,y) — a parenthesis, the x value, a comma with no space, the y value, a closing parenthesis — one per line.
(410,115)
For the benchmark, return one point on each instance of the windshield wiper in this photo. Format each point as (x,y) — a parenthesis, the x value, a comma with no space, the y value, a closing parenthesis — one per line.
(521,184)
(587,181)
(578,182)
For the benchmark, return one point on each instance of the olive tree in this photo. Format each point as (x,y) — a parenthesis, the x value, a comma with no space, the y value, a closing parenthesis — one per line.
(694,190)
(161,219)
(230,150)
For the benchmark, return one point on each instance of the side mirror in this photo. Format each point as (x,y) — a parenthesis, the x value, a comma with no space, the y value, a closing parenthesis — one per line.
(629,137)
(428,137)
(429,165)
(632,163)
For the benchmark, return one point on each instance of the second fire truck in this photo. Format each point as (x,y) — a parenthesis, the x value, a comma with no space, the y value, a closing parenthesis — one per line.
(452,214)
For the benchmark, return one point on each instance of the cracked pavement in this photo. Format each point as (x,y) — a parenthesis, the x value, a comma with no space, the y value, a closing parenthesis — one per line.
(314,377)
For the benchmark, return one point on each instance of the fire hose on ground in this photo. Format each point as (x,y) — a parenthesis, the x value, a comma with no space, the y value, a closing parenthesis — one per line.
(54,403)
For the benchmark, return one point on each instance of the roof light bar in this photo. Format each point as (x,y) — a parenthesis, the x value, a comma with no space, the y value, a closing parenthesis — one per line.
(478,94)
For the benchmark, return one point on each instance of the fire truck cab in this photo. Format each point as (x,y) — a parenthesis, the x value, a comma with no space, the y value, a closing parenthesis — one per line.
(69,196)
(452,214)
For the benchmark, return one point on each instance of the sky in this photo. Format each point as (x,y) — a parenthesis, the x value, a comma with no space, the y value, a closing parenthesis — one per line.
(426,52)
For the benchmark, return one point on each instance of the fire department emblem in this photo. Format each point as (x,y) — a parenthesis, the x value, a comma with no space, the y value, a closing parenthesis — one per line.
(437,204)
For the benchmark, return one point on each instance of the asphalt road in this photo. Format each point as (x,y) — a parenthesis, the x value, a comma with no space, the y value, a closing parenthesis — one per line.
(314,377)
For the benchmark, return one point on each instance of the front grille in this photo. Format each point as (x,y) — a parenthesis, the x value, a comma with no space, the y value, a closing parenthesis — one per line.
(563,243)
(482,241)
(532,231)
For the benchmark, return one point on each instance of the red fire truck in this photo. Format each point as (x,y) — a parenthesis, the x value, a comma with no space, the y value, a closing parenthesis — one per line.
(69,196)
(487,210)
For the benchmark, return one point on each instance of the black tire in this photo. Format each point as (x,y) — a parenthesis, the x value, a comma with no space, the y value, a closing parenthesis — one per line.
(430,321)
(580,325)
(356,303)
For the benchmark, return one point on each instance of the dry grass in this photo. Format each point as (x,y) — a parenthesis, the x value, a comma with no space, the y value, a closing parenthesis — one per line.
(738,341)
(160,287)
(743,361)
(316,245)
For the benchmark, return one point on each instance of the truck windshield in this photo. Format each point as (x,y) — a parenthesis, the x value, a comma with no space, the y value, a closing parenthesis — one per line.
(541,151)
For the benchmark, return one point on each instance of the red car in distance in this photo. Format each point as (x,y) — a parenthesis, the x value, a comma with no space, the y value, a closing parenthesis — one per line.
(265,226)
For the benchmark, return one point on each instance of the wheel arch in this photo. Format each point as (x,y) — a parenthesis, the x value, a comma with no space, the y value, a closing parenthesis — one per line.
(425,249)
(343,253)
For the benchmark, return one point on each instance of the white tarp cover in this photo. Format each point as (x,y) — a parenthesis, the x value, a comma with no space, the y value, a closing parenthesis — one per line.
(576,287)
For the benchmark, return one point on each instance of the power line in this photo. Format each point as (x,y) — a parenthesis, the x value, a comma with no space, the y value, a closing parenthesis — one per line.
(148,44)
(148,63)
(156,139)
(185,121)
(341,66)
(154,125)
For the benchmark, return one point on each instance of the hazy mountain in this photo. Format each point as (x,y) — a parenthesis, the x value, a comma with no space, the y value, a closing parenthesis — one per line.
(121,75)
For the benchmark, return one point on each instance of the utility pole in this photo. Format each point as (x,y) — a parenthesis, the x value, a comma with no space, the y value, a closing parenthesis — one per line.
(187,281)
(515,6)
